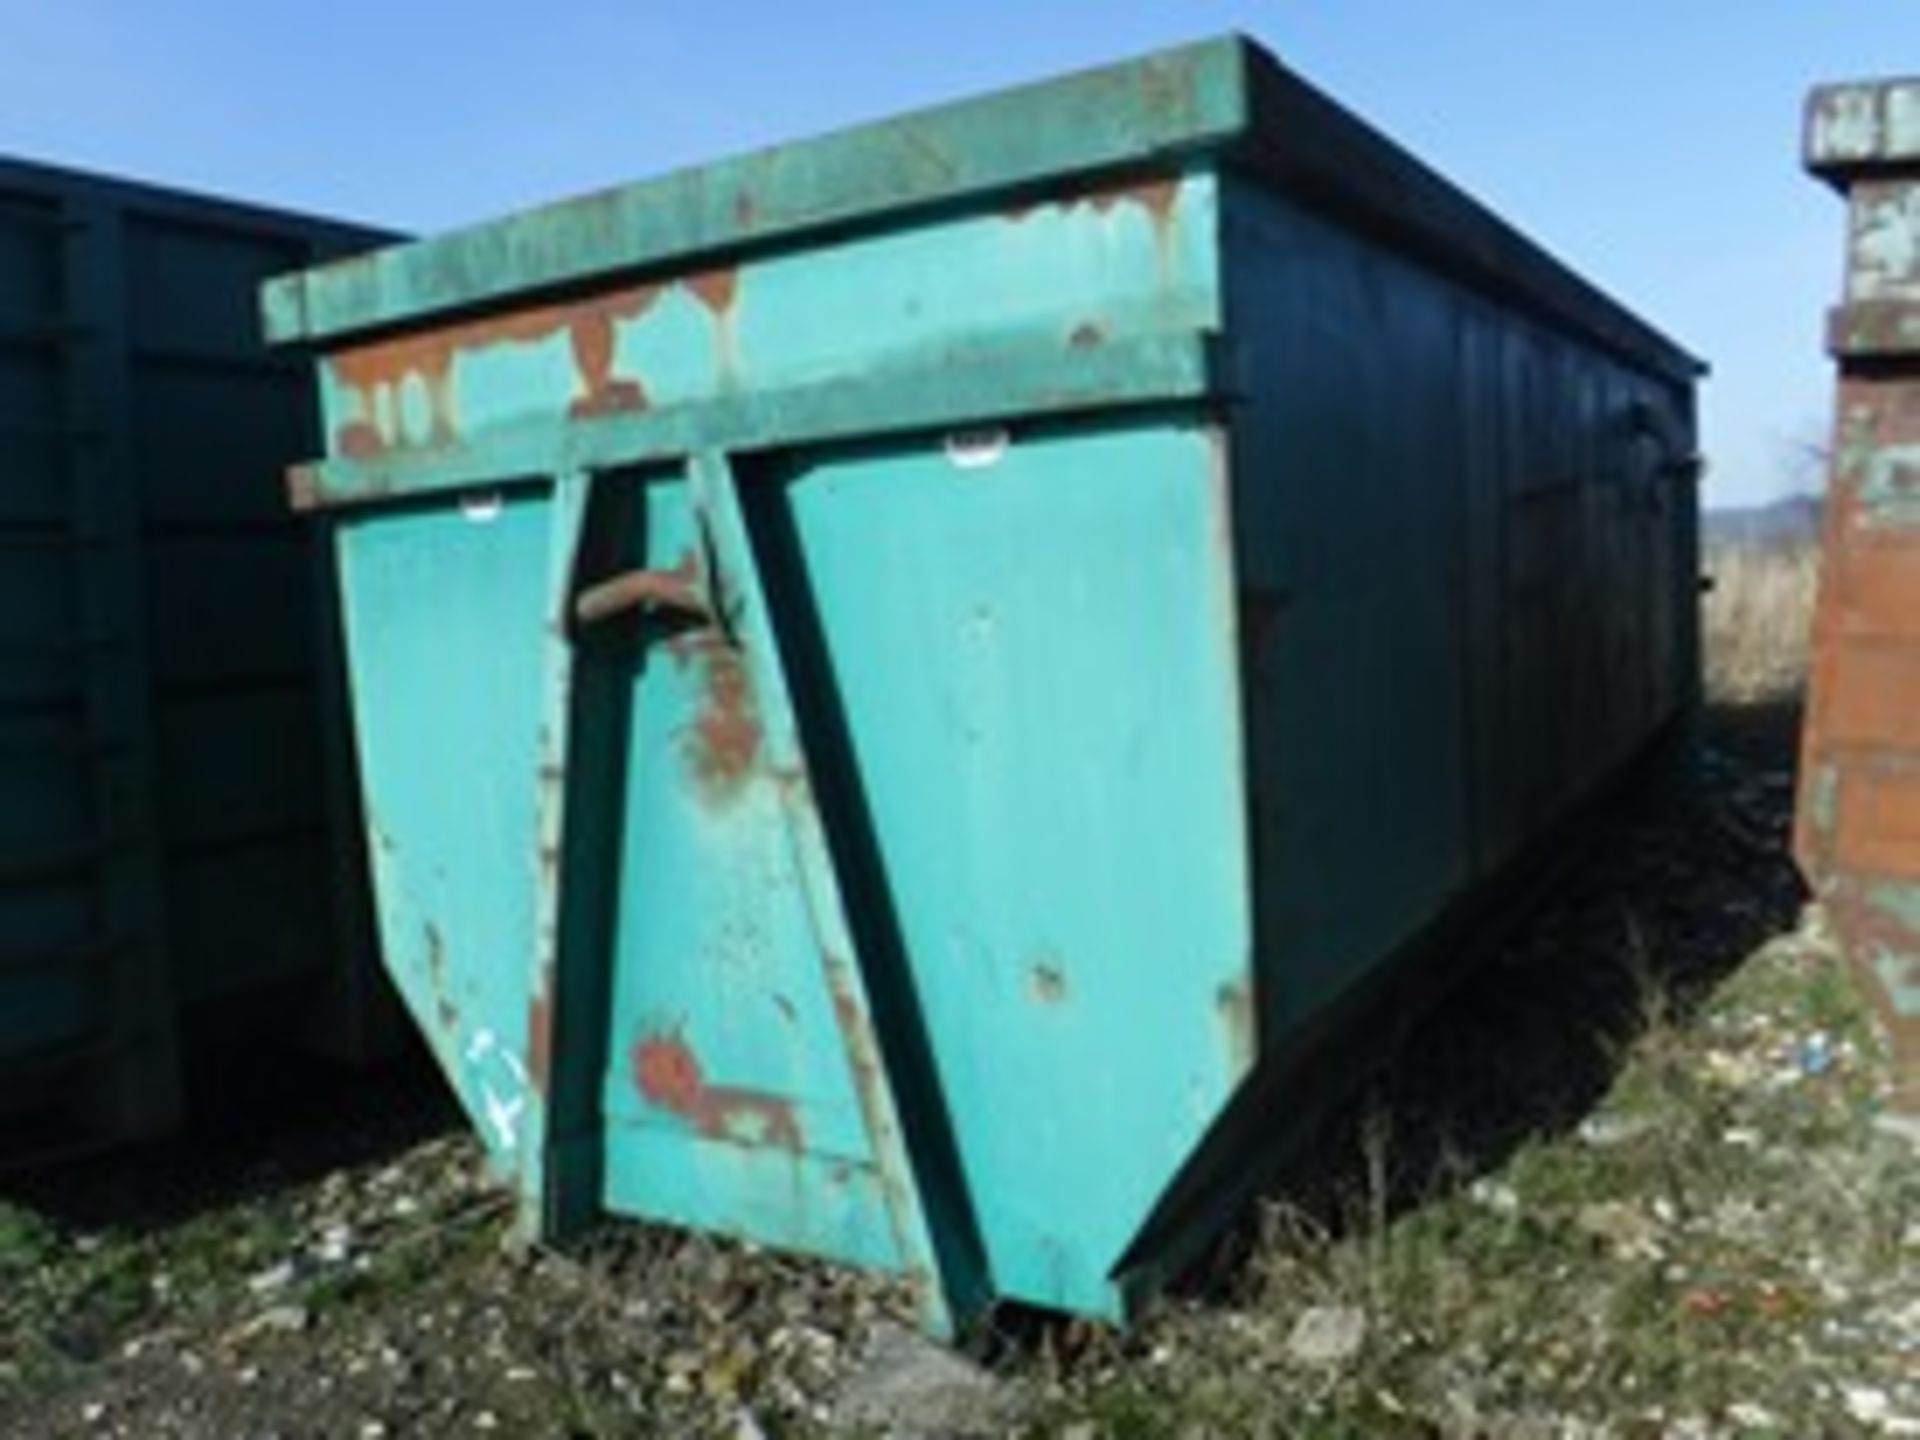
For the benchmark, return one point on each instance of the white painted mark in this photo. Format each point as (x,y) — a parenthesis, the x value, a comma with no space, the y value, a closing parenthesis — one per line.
(481,507)
(502,1112)
(977,449)
(503,1117)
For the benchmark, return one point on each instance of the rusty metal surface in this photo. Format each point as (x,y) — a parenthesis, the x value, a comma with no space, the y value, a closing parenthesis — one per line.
(1858,830)
(1030,681)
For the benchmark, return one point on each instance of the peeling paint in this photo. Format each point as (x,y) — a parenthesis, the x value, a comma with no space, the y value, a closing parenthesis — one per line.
(1899,904)
(1845,125)
(669,1077)
(1899,976)
(372,378)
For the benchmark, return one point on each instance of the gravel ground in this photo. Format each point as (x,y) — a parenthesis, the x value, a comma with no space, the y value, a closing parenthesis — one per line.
(1627,1180)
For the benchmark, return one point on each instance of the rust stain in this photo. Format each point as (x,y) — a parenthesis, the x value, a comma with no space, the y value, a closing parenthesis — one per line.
(669,1077)
(1158,195)
(359,440)
(1047,982)
(540,1035)
(303,487)
(1879,822)
(1873,697)
(593,357)
(444,1010)
(870,1085)
(723,742)
(863,1056)
(715,288)
(384,367)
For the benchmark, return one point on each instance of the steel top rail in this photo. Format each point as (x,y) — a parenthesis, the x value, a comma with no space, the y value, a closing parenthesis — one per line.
(1225,97)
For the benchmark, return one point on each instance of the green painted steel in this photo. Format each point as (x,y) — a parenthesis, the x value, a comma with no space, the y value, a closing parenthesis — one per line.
(907,684)
(177,844)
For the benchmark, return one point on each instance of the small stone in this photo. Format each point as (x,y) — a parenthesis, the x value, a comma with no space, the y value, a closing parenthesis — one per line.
(1866,1404)
(486,1420)
(94,1413)
(1327,1335)
(373,1430)
(286,1319)
(1496,1195)
(907,1386)
(1630,1231)
(1817,1053)
(1897,1126)
(1606,1131)
(276,1277)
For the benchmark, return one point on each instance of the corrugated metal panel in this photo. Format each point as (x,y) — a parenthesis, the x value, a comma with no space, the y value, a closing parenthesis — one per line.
(175,782)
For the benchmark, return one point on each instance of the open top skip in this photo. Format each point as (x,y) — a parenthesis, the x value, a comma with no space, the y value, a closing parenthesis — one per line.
(917,688)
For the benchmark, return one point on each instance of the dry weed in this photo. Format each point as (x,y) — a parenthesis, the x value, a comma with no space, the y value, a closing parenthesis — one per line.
(1756,619)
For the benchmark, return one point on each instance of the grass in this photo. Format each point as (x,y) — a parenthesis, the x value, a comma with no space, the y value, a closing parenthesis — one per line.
(1655,1203)
(1718,1249)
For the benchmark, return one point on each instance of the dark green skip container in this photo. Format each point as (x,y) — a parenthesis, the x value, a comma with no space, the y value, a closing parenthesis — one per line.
(914,686)
(179,847)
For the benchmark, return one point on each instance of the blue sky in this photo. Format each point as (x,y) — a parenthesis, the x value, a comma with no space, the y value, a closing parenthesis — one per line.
(1652,145)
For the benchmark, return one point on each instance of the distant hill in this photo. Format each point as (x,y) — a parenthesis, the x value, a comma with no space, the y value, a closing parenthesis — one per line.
(1794,520)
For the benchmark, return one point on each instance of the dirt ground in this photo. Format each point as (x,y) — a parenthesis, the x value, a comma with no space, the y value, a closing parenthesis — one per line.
(1627,1180)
